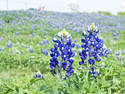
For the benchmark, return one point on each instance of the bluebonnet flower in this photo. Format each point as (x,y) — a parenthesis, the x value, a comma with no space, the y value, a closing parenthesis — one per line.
(61,54)
(116,38)
(30,36)
(33,35)
(33,28)
(78,46)
(19,29)
(22,45)
(36,19)
(38,75)
(41,43)
(44,42)
(118,58)
(115,34)
(75,40)
(95,72)
(30,50)
(9,44)
(16,33)
(119,55)
(45,52)
(1,49)
(123,52)
(92,49)
(1,39)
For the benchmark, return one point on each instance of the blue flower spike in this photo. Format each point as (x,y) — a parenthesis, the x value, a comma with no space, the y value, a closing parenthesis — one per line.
(61,55)
(92,49)
(38,75)
(9,44)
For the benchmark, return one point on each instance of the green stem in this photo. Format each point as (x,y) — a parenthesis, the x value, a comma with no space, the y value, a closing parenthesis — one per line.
(87,76)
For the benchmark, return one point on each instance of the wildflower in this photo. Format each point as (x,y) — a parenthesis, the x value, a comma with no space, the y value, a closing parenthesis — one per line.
(9,44)
(92,49)
(75,40)
(19,29)
(30,36)
(114,34)
(16,33)
(119,55)
(44,42)
(33,34)
(123,52)
(22,45)
(38,75)
(30,50)
(78,46)
(116,38)
(95,72)
(1,39)
(45,52)
(1,49)
(61,54)
(33,28)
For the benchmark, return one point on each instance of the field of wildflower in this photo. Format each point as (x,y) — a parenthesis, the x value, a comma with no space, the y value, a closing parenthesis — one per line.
(44,52)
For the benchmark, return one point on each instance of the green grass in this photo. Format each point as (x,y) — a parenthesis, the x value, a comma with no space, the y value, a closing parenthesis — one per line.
(112,80)
(17,70)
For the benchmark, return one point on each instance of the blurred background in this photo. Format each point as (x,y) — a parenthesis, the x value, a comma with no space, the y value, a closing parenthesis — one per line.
(112,6)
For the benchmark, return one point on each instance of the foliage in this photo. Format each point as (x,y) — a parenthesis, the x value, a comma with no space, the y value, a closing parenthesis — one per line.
(25,43)
(105,13)
(121,13)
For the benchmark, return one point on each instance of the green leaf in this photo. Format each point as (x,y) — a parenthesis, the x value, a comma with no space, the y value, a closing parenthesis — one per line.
(32,81)
(109,90)
(106,84)
(42,87)
(49,92)
(69,83)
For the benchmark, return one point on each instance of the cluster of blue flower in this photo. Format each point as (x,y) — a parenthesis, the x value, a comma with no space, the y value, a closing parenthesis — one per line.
(38,75)
(92,49)
(62,48)
(61,55)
